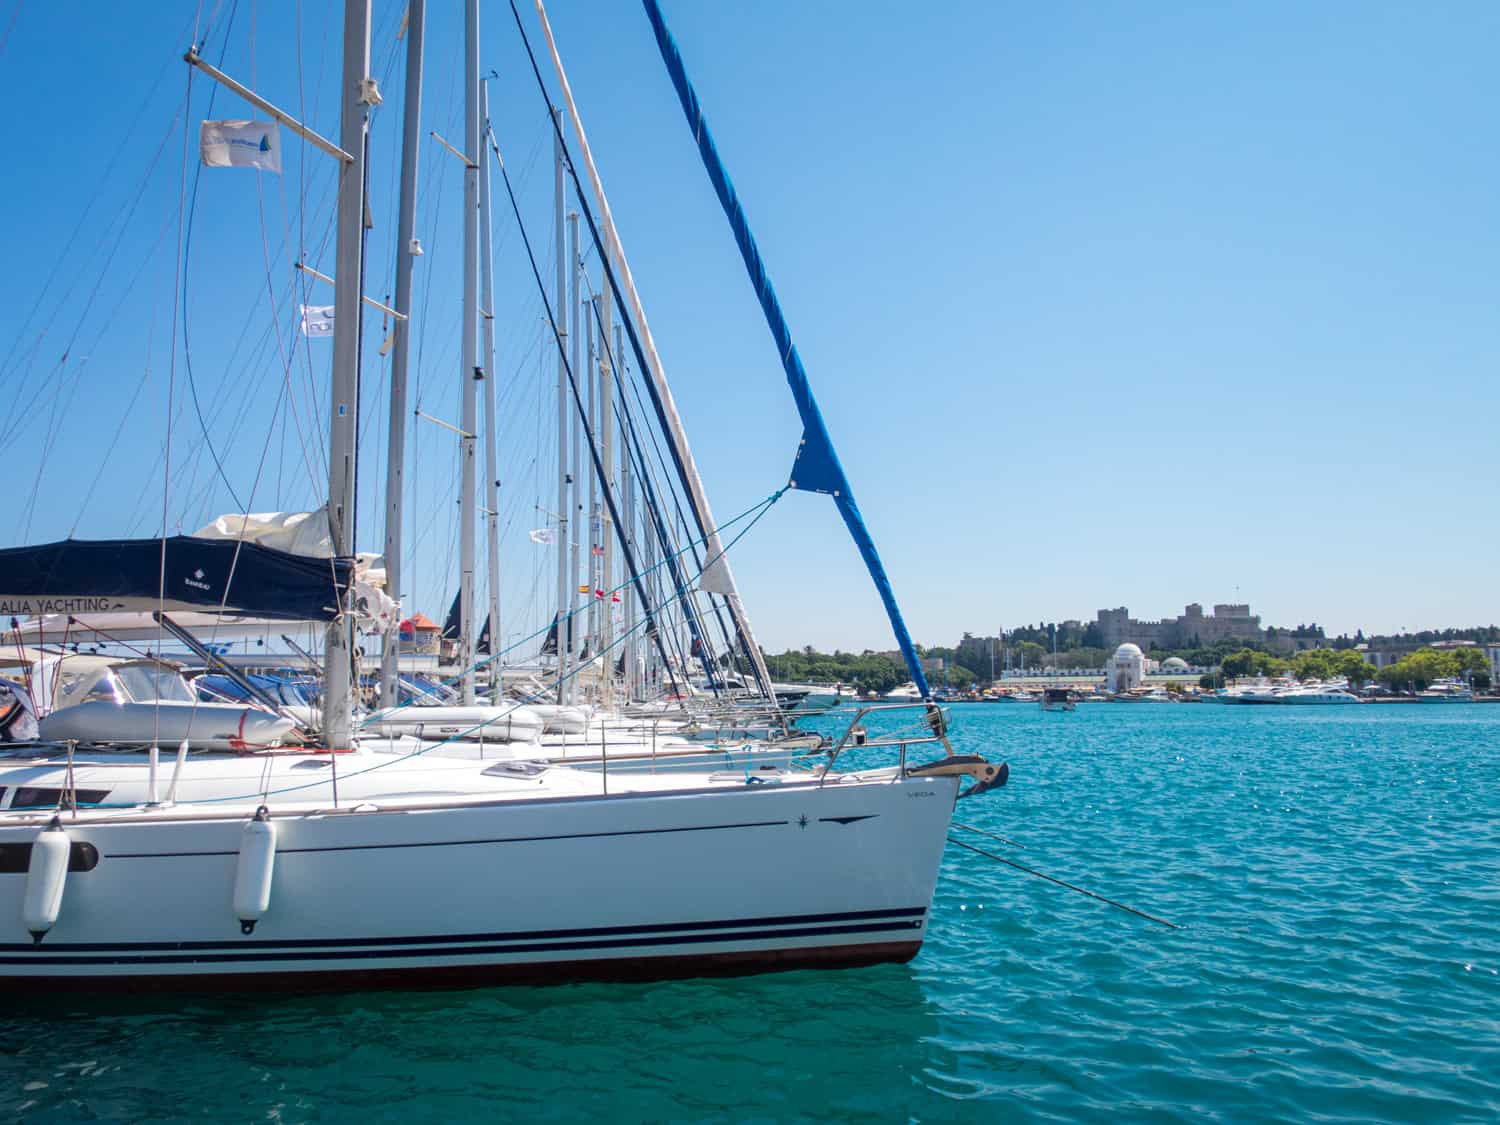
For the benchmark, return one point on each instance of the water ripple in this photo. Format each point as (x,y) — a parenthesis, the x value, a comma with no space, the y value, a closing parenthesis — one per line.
(1333,872)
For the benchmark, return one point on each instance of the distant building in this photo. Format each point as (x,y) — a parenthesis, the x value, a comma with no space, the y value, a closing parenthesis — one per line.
(1301,639)
(1194,628)
(419,636)
(1126,669)
(1398,648)
(1376,658)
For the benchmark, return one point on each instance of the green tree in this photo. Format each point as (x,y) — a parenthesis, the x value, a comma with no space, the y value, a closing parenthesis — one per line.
(1328,664)
(1249,662)
(1353,667)
(1420,670)
(1314,664)
(960,677)
(1467,661)
(1030,653)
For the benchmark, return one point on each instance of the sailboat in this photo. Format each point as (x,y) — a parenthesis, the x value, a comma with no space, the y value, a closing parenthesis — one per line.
(336,867)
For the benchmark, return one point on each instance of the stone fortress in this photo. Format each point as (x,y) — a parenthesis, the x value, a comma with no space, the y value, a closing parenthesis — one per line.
(1192,629)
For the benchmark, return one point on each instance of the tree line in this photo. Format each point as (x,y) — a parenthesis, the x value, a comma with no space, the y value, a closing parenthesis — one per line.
(1415,672)
(968,665)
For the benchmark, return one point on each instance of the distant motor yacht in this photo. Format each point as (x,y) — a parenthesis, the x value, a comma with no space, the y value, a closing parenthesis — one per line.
(1315,694)
(1446,691)
(906,693)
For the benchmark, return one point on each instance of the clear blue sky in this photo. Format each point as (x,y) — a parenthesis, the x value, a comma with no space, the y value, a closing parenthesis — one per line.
(1106,304)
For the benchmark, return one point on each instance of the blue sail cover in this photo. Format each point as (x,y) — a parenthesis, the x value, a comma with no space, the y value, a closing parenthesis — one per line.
(817,467)
(106,575)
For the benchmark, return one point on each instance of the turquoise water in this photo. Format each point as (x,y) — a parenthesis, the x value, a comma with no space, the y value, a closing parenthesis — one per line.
(1336,873)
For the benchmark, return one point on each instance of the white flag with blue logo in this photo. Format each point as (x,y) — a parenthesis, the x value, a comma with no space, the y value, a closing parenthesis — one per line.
(241,144)
(317,320)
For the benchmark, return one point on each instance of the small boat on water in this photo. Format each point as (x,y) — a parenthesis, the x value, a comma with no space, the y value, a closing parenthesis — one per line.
(1058,699)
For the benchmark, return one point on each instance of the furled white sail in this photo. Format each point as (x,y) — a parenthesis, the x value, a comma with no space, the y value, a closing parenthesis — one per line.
(300,533)
(307,533)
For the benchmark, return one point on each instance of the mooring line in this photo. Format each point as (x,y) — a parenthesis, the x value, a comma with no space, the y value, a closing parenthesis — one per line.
(982,832)
(1070,886)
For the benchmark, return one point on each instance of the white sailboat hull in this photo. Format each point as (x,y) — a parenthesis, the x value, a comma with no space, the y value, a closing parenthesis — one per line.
(632,886)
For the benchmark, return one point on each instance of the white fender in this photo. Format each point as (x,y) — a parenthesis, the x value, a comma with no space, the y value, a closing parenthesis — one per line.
(45,876)
(252,873)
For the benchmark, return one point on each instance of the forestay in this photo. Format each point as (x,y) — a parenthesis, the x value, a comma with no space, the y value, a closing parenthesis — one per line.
(817,467)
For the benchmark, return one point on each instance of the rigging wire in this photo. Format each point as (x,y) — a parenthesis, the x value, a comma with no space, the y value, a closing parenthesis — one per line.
(187,252)
(1065,883)
(609,274)
(599,468)
(285,354)
(166,480)
(689,608)
(628,425)
(59,260)
(125,223)
(88,493)
(11,26)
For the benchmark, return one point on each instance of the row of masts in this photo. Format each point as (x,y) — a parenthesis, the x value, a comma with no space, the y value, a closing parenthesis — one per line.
(591,352)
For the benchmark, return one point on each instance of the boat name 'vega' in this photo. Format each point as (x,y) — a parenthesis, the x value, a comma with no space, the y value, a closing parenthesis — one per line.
(24,606)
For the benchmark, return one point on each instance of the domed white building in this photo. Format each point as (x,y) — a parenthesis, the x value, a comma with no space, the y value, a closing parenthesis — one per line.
(1175,666)
(1126,669)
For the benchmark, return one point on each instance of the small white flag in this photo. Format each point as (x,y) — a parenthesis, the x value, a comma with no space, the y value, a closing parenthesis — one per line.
(317,320)
(544,535)
(241,144)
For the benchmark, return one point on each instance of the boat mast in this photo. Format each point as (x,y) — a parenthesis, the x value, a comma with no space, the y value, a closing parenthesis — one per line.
(648,560)
(575,492)
(395,478)
(592,642)
(606,531)
(627,534)
(469,361)
(563,410)
(491,462)
(359,93)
